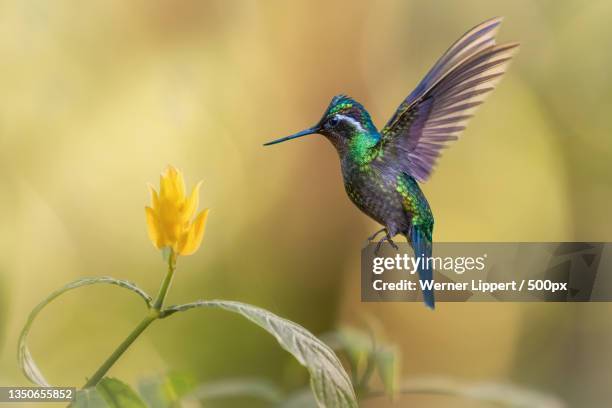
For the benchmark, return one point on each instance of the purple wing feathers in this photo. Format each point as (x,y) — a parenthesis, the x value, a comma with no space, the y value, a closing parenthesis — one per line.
(437,111)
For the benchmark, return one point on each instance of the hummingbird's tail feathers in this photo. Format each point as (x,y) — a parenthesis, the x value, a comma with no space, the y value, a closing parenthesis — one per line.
(422,248)
(438,110)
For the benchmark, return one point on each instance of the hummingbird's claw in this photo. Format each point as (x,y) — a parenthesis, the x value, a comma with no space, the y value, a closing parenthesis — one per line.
(373,236)
(383,239)
(377,248)
(393,244)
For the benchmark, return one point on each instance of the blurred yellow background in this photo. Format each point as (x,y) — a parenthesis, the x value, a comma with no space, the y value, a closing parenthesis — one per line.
(97,97)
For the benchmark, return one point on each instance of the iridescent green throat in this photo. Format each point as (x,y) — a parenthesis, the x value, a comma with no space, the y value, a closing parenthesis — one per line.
(363,148)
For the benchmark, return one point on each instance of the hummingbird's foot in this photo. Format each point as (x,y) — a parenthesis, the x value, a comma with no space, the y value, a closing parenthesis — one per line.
(383,239)
(390,241)
(373,236)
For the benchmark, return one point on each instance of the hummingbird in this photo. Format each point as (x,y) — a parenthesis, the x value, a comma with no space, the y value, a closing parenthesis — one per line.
(382,169)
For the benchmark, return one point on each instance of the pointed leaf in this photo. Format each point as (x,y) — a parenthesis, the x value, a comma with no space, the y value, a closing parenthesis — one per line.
(328,380)
(165,390)
(356,345)
(118,394)
(387,363)
(109,393)
(89,398)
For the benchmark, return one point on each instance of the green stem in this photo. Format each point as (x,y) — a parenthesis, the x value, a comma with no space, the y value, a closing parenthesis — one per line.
(101,372)
(152,316)
(163,290)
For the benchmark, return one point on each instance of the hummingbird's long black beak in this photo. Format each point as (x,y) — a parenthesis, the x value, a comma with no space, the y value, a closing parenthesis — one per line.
(304,132)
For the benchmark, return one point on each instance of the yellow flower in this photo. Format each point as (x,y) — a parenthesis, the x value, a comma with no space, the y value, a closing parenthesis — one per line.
(169,219)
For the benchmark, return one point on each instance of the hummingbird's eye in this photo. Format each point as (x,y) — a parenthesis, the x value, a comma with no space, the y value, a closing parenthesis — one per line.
(333,121)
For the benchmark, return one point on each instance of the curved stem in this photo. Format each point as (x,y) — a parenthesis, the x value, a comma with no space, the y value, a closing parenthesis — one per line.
(153,315)
(101,372)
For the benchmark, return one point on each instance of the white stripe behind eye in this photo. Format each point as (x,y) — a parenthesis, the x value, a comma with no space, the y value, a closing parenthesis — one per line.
(352,121)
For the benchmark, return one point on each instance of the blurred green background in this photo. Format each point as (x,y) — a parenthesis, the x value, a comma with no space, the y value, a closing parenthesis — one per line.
(97,97)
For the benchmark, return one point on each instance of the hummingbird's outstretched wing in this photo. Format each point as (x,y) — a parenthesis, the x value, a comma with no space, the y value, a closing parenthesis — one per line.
(440,106)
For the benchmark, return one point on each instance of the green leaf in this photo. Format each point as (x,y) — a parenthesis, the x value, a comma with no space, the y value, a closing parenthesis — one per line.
(387,363)
(89,398)
(109,393)
(356,345)
(238,387)
(29,368)
(328,380)
(165,390)
(118,394)
(364,351)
